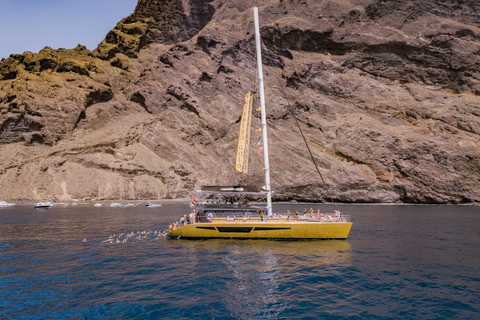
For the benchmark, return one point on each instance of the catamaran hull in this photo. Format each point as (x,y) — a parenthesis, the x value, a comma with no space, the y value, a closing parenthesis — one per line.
(265,230)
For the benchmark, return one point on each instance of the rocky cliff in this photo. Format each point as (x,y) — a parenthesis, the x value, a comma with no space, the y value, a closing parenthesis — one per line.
(387,94)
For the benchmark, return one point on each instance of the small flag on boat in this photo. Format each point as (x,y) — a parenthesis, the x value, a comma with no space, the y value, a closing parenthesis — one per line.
(193,201)
(258,109)
(260,150)
(259,143)
(258,129)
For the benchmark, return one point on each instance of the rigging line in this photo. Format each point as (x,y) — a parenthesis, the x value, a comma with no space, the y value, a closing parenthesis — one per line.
(291,111)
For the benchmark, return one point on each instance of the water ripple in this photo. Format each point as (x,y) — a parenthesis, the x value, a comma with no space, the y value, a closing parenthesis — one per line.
(400,262)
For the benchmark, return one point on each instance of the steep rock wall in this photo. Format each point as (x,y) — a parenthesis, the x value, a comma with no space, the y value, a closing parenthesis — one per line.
(385,91)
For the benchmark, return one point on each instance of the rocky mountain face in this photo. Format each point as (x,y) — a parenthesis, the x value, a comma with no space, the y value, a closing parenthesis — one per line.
(387,93)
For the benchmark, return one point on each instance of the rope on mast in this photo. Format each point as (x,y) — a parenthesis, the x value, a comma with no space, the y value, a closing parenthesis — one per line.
(292,112)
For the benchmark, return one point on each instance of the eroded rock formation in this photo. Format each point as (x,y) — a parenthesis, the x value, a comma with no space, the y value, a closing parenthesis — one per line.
(387,93)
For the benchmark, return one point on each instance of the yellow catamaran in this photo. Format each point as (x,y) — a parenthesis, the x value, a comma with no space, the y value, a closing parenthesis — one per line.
(225,215)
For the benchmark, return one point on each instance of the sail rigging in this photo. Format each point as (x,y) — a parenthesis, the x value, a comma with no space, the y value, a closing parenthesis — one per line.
(221,215)
(243,148)
(291,111)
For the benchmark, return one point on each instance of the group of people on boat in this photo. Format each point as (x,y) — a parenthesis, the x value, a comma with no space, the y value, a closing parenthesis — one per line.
(191,218)
(318,216)
(310,215)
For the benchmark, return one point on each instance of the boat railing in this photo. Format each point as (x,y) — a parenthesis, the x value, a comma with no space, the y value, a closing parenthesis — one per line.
(277,217)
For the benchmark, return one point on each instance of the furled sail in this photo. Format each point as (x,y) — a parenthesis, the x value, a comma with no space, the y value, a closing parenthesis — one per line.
(241,164)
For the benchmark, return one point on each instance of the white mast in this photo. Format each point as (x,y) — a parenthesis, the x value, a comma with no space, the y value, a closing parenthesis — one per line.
(264,117)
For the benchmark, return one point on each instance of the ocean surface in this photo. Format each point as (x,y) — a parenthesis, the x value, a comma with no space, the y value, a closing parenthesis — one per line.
(399,262)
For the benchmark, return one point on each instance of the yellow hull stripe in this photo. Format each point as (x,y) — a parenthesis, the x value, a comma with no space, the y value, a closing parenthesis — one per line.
(264,230)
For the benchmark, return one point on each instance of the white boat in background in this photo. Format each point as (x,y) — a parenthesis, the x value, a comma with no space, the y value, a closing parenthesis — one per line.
(153,205)
(44,205)
(97,204)
(121,205)
(4,204)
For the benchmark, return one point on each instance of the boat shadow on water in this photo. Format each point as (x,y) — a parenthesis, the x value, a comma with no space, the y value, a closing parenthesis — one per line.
(296,251)
(262,274)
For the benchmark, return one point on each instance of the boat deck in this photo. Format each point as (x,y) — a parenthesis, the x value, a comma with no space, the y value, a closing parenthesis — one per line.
(276,220)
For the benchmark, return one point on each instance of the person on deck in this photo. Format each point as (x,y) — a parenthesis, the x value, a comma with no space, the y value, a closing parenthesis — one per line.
(190,218)
(262,218)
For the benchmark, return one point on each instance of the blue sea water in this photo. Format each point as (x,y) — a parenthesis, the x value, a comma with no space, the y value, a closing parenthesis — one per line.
(399,262)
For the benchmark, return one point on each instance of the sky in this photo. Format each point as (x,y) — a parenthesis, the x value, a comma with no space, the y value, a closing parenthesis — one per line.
(30,25)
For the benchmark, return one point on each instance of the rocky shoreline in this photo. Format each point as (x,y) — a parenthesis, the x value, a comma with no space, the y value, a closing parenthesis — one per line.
(387,93)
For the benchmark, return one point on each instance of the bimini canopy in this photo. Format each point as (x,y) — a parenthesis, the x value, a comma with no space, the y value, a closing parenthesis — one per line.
(228,190)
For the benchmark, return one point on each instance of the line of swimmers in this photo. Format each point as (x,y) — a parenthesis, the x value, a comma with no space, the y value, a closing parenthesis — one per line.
(140,235)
